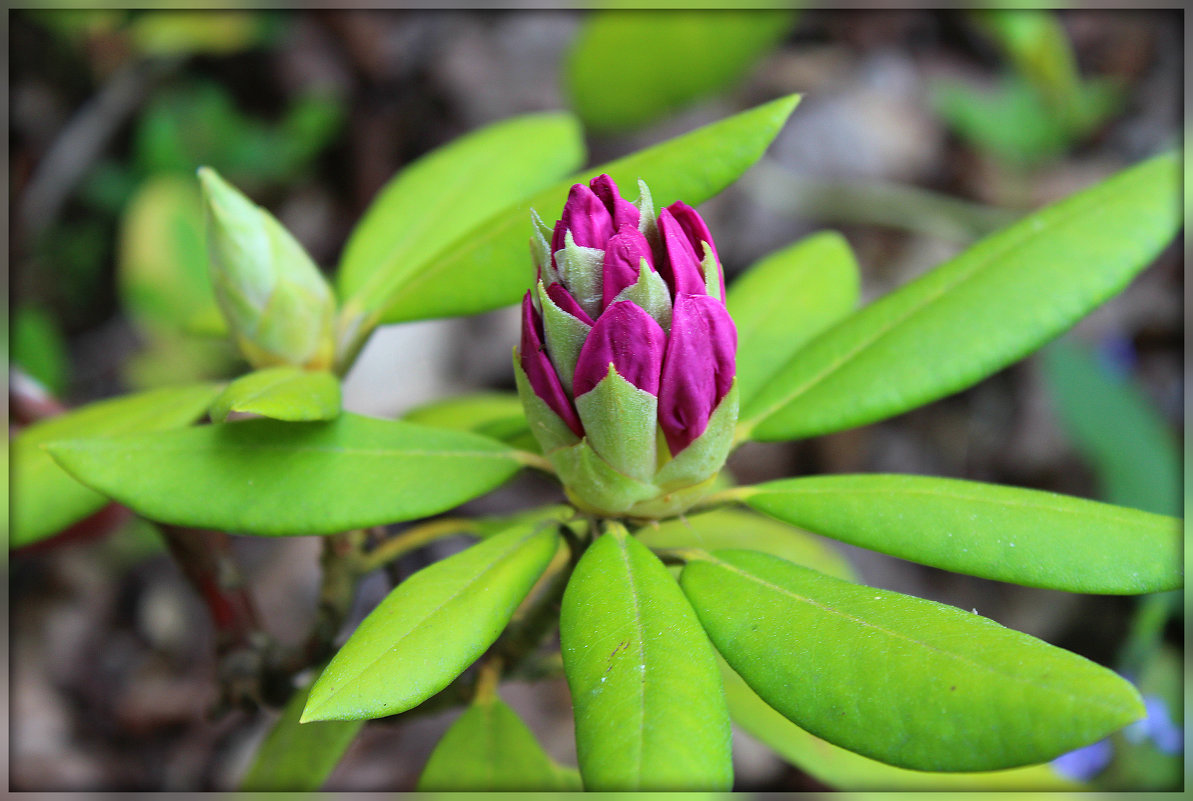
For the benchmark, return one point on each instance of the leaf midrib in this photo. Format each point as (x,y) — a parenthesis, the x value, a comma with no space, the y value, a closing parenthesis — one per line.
(1065,509)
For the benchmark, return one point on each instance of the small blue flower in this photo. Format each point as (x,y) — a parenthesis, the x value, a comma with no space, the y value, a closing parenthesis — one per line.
(1084,763)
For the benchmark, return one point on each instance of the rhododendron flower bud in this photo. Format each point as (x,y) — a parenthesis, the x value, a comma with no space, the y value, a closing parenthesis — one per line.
(627,361)
(278,306)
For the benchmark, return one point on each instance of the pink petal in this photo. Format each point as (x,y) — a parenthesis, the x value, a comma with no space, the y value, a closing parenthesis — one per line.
(698,368)
(680,266)
(539,371)
(586,217)
(697,232)
(629,339)
(623,256)
(623,211)
(564,300)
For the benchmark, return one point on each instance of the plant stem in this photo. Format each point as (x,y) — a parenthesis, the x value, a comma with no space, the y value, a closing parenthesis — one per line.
(413,538)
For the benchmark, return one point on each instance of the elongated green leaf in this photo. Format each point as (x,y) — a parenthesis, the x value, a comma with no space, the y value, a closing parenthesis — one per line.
(622,72)
(975,314)
(650,711)
(444,195)
(903,680)
(299,757)
(738,528)
(1029,537)
(431,627)
(1111,421)
(45,498)
(492,414)
(489,267)
(489,748)
(845,770)
(281,393)
(275,478)
(785,299)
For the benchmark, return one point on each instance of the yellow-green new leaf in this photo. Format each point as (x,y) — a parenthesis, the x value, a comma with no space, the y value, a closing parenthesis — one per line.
(1030,537)
(977,313)
(275,478)
(431,627)
(490,749)
(281,393)
(45,498)
(650,711)
(906,681)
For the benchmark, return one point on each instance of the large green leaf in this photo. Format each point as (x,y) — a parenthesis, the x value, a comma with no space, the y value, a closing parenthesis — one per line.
(281,393)
(845,770)
(431,627)
(489,748)
(275,478)
(1040,539)
(627,68)
(906,681)
(785,299)
(988,307)
(444,195)
(298,757)
(490,266)
(740,528)
(650,711)
(45,498)
(1111,421)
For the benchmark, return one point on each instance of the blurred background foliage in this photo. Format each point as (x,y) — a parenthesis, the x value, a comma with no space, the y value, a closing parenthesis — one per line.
(919,132)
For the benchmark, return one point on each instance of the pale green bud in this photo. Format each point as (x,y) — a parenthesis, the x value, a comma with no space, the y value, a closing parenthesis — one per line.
(277,304)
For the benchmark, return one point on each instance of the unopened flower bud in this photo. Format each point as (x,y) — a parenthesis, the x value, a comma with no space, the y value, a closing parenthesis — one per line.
(278,305)
(627,361)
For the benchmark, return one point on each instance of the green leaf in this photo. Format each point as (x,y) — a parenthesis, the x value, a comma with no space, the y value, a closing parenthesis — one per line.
(906,681)
(1116,428)
(489,748)
(1030,537)
(988,307)
(845,770)
(738,528)
(281,393)
(650,712)
(162,260)
(785,299)
(432,204)
(431,627)
(493,414)
(621,73)
(46,499)
(39,347)
(298,757)
(489,267)
(275,478)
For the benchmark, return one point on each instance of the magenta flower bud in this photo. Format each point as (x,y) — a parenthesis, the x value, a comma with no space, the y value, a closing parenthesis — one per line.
(627,374)
(681,265)
(624,253)
(698,369)
(539,371)
(697,234)
(628,339)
